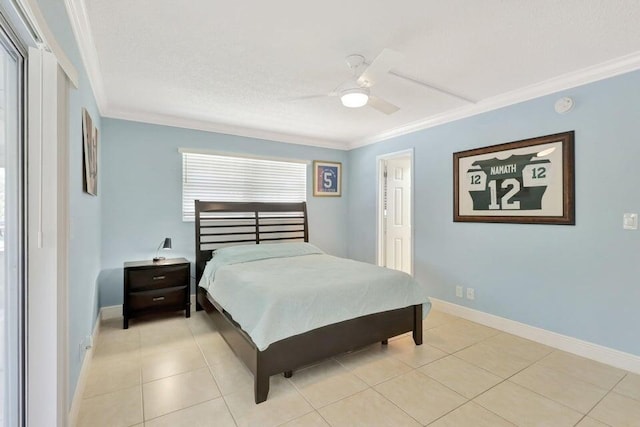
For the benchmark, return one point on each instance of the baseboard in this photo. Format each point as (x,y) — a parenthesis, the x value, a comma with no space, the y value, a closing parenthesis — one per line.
(111,312)
(82,378)
(599,353)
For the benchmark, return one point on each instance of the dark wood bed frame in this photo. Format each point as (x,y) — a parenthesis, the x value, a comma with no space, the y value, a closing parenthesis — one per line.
(225,223)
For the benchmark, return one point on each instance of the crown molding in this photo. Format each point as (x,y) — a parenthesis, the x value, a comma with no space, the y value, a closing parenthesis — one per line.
(79,18)
(621,65)
(81,28)
(77,11)
(584,76)
(203,125)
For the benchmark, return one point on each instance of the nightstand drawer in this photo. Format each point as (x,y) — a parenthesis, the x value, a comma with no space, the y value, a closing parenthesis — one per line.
(166,297)
(164,277)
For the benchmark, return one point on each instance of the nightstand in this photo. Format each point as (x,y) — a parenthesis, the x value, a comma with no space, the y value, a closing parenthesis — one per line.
(153,287)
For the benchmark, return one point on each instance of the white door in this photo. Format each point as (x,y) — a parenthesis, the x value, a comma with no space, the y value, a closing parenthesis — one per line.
(397,213)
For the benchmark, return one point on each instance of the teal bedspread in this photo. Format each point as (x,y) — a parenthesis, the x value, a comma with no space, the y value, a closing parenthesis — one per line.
(275,291)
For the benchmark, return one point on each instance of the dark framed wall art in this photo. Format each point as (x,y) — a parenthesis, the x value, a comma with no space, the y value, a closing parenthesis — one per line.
(327,178)
(529,181)
(90,155)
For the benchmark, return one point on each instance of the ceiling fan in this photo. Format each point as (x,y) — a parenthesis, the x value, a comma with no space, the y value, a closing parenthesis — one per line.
(356,92)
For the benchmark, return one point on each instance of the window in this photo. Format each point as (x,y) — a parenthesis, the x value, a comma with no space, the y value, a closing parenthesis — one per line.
(239,179)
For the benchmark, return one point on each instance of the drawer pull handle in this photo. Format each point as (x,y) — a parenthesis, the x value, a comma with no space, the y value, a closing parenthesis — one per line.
(158,299)
(159,277)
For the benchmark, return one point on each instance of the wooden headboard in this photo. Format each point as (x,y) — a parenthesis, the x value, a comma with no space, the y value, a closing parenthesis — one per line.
(220,224)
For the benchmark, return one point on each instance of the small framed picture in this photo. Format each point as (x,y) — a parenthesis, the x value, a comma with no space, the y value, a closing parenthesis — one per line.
(529,181)
(327,179)
(90,154)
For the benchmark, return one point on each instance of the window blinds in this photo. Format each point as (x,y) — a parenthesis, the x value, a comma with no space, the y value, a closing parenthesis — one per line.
(239,179)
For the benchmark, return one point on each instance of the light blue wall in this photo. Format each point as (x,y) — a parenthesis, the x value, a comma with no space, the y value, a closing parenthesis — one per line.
(142,194)
(582,280)
(84,244)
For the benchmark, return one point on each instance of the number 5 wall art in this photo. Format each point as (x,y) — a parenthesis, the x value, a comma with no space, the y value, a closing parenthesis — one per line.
(529,181)
(327,178)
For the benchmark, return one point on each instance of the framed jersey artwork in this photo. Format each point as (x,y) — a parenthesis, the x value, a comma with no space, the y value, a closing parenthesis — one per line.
(327,178)
(529,181)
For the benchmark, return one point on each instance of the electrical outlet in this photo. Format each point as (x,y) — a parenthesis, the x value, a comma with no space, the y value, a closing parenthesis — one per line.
(471,293)
(459,291)
(630,221)
(85,344)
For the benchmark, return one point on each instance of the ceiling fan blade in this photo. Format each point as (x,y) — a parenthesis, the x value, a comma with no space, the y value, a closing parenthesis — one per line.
(381,105)
(379,68)
(305,97)
(433,87)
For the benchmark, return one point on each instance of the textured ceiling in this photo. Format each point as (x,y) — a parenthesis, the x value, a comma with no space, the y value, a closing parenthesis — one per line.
(232,62)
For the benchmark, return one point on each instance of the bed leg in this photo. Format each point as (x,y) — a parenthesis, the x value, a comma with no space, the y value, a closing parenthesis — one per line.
(384,342)
(417,324)
(288,374)
(261,387)
(198,306)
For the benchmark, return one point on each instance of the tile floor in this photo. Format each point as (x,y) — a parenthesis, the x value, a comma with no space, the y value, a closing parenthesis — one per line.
(179,372)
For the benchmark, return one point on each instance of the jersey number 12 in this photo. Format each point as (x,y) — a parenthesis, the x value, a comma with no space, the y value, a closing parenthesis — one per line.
(505,201)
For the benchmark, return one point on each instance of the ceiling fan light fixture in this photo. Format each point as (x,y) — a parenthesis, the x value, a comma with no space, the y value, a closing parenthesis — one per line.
(355,98)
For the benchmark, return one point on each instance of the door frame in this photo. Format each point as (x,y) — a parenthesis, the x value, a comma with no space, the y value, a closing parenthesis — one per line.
(380,237)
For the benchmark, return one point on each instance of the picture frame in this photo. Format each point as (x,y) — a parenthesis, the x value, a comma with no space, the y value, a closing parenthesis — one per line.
(327,179)
(528,182)
(89,155)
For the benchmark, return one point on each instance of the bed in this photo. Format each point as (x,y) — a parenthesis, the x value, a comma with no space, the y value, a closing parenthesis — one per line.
(224,224)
